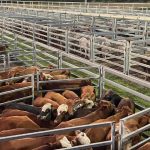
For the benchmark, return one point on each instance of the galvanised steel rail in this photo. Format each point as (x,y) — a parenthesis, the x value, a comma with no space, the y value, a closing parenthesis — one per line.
(63,130)
(28,87)
(63,59)
(112,27)
(103,80)
(125,136)
(131,8)
(120,55)
(70,11)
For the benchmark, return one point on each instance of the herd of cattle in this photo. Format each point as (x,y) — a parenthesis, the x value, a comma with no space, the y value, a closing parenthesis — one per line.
(67,108)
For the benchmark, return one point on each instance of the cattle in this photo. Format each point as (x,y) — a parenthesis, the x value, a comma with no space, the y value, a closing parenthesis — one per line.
(105,110)
(84,44)
(70,95)
(134,124)
(48,113)
(130,126)
(12,122)
(145,146)
(60,72)
(28,70)
(56,97)
(17,131)
(127,102)
(99,134)
(67,104)
(52,142)
(48,76)
(15,95)
(110,95)
(66,84)
(24,107)
(41,101)
(88,92)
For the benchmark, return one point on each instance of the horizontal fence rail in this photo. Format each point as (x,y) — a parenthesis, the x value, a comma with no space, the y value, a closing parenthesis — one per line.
(5,93)
(126,137)
(63,130)
(114,8)
(121,55)
(60,61)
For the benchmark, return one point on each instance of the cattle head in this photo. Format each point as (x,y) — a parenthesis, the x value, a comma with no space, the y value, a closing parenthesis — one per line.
(83,103)
(45,76)
(110,95)
(88,92)
(81,138)
(46,112)
(107,106)
(126,111)
(62,113)
(143,120)
(88,104)
(126,102)
(65,143)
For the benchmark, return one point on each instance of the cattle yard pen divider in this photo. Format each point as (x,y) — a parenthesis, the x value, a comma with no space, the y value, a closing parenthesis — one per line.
(18,89)
(63,130)
(117,54)
(112,25)
(60,62)
(102,79)
(125,136)
(55,57)
(126,8)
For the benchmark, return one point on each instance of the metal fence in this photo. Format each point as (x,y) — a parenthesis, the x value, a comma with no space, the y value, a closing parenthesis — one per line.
(115,26)
(125,136)
(60,61)
(112,8)
(128,57)
(8,93)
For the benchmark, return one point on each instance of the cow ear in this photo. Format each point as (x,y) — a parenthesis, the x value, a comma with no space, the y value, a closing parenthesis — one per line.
(77,132)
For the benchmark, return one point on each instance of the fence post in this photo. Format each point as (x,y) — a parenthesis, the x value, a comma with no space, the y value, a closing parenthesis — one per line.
(113,136)
(34,46)
(127,58)
(8,59)
(67,42)
(101,81)
(59,59)
(3,27)
(145,32)
(114,28)
(32,79)
(121,134)
(92,54)
(37,82)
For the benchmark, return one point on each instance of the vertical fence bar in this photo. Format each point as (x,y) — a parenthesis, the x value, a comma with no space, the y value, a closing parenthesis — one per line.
(121,135)
(34,46)
(32,79)
(145,32)
(92,53)
(101,81)
(66,41)
(113,136)
(38,84)
(127,52)
(59,59)
(114,28)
